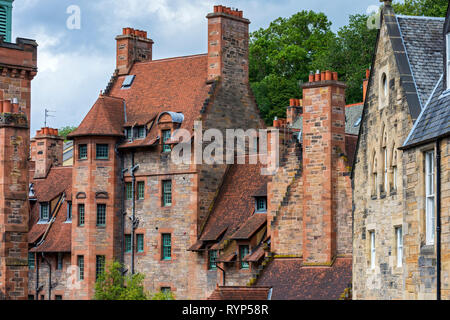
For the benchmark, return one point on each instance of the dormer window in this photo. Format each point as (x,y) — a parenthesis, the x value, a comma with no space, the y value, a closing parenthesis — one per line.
(44,212)
(129,134)
(140,132)
(166,136)
(448,59)
(261,204)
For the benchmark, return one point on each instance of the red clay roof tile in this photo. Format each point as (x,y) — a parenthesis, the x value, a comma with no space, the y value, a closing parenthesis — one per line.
(240,293)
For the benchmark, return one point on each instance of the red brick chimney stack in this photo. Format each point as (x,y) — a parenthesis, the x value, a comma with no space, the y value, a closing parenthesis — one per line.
(294,111)
(132,46)
(228,38)
(47,151)
(323,144)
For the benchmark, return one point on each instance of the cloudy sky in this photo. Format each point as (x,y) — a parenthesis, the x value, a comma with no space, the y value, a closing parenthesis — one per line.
(75,64)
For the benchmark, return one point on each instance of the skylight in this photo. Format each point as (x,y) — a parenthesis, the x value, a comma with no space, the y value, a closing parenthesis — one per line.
(128,81)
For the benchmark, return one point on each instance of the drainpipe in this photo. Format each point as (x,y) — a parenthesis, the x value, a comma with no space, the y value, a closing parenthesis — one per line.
(37,277)
(49,276)
(133,218)
(122,249)
(438,219)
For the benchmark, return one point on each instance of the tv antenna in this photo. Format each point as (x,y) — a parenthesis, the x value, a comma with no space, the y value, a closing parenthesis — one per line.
(48,115)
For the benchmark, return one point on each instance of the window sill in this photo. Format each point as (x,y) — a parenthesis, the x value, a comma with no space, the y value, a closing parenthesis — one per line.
(43,222)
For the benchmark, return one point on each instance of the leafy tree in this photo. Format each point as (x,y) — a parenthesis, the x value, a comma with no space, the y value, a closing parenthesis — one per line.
(163,296)
(350,53)
(430,8)
(65,131)
(113,285)
(281,56)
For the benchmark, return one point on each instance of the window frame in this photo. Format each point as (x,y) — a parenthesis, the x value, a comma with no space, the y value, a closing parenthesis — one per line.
(98,147)
(41,206)
(101,215)
(139,242)
(80,265)
(166,246)
(244,250)
(59,261)
(81,214)
(399,246)
(212,259)
(100,263)
(140,190)
(80,153)
(127,244)
(430,198)
(128,191)
(373,252)
(166,194)
(257,209)
(69,211)
(165,147)
(31,258)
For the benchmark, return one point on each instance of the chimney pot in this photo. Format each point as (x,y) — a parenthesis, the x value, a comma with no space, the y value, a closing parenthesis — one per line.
(7,108)
(335,76)
(292,102)
(367,73)
(328,75)
(317,77)
(1,106)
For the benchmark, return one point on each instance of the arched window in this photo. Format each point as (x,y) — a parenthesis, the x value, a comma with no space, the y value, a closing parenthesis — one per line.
(385,162)
(384,85)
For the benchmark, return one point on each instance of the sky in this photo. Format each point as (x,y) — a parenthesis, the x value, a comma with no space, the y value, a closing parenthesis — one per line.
(75,64)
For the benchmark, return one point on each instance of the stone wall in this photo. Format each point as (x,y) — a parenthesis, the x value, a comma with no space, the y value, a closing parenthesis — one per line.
(380,208)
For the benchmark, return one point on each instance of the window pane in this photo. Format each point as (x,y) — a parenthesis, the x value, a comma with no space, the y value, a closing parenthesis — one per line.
(166,136)
(167,246)
(430,220)
(101,214)
(102,151)
(129,190)
(59,262)
(82,151)
(167,193)
(141,189)
(212,259)
(99,266)
(243,252)
(31,260)
(69,211)
(81,214)
(140,242)
(399,246)
(80,263)
(128,243)
(44,211)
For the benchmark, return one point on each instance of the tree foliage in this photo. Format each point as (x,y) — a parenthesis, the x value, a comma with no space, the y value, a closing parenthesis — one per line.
(281,56)
(430,8)
(112,284)
(65,131)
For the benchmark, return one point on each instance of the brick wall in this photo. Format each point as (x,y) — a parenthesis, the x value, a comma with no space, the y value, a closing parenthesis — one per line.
(132,46)
(46,151)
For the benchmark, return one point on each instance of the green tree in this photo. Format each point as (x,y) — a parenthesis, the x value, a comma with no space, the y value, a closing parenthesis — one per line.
(113,285)
(281,56)
(163,296)
(64,131)
(350,53)
(429,8)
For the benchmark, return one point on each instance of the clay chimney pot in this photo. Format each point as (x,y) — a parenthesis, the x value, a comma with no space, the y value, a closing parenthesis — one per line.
(335,76)
(328,75)
(7,108)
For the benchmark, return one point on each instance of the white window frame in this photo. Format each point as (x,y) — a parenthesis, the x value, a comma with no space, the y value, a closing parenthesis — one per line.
(399,238)
(41,209)
(430,206)
(372,249)
(448,59)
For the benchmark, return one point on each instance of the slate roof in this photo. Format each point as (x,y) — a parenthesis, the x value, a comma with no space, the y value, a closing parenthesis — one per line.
(434,121)
(353,113)
(240,293)
(235,203)
(424,44)
(291,280)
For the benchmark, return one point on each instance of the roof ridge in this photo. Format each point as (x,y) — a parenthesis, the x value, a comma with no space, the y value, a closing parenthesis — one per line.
(402,16)
(173,58)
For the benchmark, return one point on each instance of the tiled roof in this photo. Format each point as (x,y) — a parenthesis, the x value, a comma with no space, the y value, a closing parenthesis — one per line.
(290,280)
(240,293)
(256,255)
(252,225)
(106,118)
(235,203)
(167,85)
(58,239)
(424,42)
(434,121)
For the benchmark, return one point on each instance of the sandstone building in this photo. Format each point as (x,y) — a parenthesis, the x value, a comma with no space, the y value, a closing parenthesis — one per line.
(400,176)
